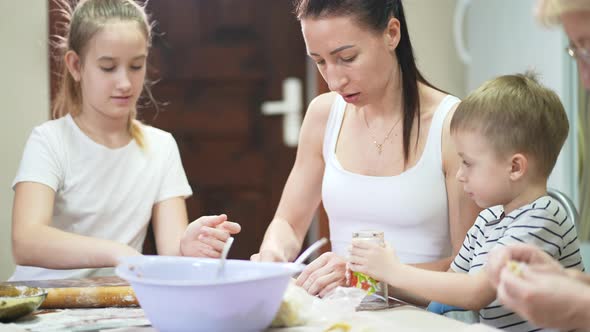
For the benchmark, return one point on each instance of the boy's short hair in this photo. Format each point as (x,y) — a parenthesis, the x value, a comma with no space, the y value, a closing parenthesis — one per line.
(516,114)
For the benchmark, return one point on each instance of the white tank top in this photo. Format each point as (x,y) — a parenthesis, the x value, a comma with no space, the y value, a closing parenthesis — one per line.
(411,208)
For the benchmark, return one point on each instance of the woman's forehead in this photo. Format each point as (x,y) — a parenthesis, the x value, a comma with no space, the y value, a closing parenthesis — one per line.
(330,33)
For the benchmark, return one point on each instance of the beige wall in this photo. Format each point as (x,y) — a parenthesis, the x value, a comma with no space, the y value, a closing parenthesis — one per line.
(24,90)
(431,32)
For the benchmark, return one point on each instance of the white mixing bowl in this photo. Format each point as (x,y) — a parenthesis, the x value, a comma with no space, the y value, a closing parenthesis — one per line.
(184,293)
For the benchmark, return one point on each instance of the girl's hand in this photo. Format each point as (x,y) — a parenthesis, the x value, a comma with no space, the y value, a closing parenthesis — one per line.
(206,236)
(372,259)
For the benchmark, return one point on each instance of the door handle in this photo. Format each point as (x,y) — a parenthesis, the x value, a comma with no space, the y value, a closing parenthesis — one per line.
(290,107)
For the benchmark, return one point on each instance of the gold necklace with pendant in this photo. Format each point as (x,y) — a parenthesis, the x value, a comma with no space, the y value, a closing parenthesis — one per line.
(378,145)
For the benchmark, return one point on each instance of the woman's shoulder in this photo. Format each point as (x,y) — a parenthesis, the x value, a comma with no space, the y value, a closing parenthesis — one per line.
(319,108)
(323,103)
(431,99)
(315,122)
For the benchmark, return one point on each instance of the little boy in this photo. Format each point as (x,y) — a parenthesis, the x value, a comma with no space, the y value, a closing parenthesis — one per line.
(508,134)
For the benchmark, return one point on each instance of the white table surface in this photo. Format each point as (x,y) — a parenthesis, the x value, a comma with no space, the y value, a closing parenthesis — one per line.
(400,319)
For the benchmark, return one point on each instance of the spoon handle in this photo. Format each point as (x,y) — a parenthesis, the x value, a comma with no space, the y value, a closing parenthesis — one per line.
(224,252)
(315,246)
(226,247)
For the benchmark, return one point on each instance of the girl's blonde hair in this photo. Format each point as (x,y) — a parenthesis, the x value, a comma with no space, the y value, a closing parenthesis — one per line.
(550,11)
(82,22)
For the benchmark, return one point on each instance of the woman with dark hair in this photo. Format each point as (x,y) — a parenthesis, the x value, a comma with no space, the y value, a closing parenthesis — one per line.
(375,150)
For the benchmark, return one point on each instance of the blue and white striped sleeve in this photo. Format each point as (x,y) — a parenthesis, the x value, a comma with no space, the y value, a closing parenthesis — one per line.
(462,262)
(541,227)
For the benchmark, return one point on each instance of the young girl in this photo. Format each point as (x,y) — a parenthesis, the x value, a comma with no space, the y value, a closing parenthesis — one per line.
(90,181)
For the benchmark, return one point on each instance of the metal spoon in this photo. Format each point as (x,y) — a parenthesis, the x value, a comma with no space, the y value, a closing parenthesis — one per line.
(224,252)
(315,246)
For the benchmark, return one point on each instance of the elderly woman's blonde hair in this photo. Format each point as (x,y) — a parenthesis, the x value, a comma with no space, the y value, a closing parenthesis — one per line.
(549,11)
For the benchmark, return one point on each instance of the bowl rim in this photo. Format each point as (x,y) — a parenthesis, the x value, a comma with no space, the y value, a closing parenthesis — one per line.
(123,271)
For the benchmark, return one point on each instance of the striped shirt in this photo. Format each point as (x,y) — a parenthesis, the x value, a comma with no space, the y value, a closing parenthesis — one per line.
(543,223)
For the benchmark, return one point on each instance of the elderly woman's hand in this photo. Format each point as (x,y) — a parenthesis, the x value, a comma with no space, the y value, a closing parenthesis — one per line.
(521,253)
(547,299)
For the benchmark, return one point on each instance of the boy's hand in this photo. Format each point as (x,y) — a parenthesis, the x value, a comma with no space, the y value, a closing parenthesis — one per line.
(206,236)
(373,260)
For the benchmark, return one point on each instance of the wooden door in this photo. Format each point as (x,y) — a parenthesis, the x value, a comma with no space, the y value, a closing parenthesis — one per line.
(217,61)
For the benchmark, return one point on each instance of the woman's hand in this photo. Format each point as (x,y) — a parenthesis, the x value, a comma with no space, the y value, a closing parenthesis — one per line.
(373,259)
(323,274)
(206,236)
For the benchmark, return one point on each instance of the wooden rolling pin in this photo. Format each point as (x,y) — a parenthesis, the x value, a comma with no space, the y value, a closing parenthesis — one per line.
(90,297)
(99,292)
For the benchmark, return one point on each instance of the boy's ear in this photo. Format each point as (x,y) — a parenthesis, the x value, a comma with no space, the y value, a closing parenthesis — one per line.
(518,166)
(392,34)
(72,61)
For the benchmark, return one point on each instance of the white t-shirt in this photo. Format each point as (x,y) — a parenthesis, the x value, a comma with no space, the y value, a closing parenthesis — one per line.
(100,192)
(543,223)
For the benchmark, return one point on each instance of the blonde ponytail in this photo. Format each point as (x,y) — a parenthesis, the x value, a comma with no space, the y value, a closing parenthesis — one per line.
(134,127)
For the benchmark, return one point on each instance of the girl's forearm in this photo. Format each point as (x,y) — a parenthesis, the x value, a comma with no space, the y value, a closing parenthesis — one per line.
(169,221)
(47,247)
